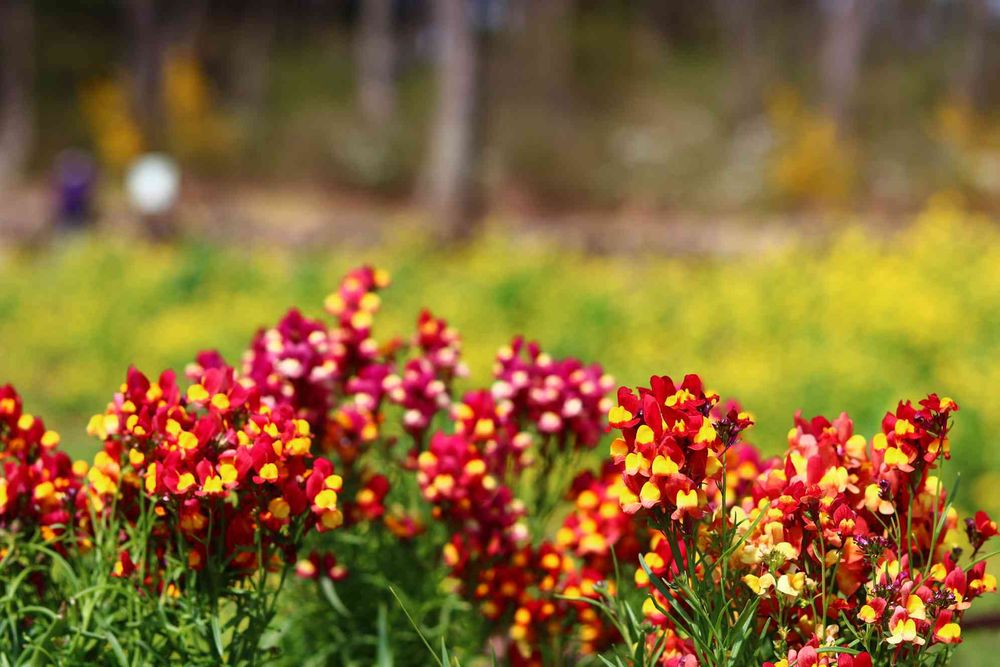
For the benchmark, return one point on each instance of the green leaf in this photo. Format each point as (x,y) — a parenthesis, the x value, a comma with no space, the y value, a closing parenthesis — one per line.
(217,636)
(383,652)
(116,648)
(416,627)
(330,592)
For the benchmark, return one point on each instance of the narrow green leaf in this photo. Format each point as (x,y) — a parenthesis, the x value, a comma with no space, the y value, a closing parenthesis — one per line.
(383,652)
(116,648)
(330,592)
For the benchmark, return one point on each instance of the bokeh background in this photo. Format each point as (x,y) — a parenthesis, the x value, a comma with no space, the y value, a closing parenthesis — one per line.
(796,199)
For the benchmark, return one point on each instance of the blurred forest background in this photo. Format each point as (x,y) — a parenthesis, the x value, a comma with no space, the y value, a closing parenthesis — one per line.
(731,109)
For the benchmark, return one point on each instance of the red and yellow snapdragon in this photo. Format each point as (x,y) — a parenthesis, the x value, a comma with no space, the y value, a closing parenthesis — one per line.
(837,553)
(39,483)
(232,482)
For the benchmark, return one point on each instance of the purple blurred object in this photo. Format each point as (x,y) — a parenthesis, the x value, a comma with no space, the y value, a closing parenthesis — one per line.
(75,177)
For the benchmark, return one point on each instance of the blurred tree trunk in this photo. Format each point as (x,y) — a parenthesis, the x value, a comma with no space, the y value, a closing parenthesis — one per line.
(845,26)
(741,33)
(549,52)
(252,56)
(376,62)
(452,174)
(146,68)
(183,26)
(16,87)
(972,79)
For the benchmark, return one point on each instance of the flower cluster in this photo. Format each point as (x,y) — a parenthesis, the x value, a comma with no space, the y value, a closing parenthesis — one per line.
(672,448)
(38,483)
(441,345)
(533,588)
(562,398)
(232,476)
(841,540)
(304,363)
(455,477)
(591,537)
(354,304)
(545,592)
(424,387)
(296,362)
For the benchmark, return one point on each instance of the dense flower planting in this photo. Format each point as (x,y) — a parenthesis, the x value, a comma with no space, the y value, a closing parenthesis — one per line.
(39,484)
(834,554)
(356,464)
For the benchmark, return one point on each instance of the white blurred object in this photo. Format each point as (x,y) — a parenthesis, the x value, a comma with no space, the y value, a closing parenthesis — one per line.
(152,183)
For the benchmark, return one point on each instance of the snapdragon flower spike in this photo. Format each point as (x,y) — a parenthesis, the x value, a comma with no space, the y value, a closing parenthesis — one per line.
(910,610)
(421,393)
(38,483)
(223,469)
(296,362)
(355,423)
(670,448)
(838,532)
(532,593)
(455,477)
(913,438)
(440,345)
(423,389)
(597,524)
(490,425)
(354,304)
(562,398)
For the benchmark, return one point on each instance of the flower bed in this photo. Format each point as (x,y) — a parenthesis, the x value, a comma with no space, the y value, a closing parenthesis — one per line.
(262,510)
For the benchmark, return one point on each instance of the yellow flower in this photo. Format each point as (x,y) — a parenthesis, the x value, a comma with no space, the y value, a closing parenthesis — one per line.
(949,633)
(197,393)
(649,495)
(905,630)
(867,614)
(687,500)
(759,585)
(187,440)
(212,484)
(915,608)
(791,584)
(664,466)
(326,499)
(619,415)
(706,433)
(895,457)
(228,473)
(185,482)
(636,463)
(619,448)
(280,508)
